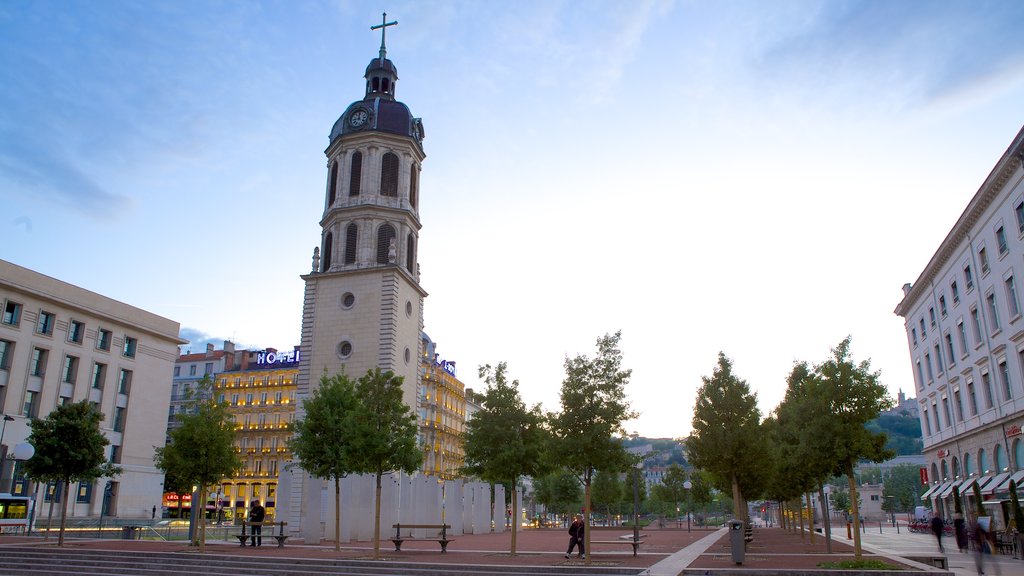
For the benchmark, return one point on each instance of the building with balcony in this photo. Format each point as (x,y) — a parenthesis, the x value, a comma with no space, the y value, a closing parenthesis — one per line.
(965,334)
(441,406)
(190,369)
(60,343)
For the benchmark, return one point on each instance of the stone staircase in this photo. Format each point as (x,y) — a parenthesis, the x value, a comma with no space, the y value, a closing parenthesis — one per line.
(52,561)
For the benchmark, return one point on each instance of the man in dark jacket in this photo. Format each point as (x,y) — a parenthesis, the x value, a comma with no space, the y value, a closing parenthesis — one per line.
(937,527)
(256,515)
(576,533)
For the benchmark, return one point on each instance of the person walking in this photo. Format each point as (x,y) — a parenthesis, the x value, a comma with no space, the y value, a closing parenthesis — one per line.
(982,546)
(576,533)
(938,526)
(960,531)
(256,515)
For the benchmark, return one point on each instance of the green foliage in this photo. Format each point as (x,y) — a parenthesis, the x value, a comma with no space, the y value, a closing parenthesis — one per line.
(322,440)
(727,439)
(958,506)
(976,490)
(201,451)
(594,406)
(504,441)
(1018,514)
(902,482)
(69,448)
(606,491)
(672,487)
(383,434)
(903,432)
(558,491)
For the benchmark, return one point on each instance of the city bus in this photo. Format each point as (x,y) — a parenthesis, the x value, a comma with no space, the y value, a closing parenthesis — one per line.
(15,512)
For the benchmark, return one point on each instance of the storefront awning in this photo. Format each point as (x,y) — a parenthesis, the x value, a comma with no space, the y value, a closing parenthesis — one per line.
(948,492)
(991,486)
(934,489)
(1017,477)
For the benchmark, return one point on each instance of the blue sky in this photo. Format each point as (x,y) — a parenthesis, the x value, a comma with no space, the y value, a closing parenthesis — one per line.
(759,178)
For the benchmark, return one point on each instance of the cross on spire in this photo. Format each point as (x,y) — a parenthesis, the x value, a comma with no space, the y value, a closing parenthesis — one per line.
(383,27)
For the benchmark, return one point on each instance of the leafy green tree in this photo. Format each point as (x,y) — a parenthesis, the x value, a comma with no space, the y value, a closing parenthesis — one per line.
(69,448)
(726,439)
(559,492)
(901,484)
(201,451)
(606,491)
(673,487)
(853,396)
(383,435)
(505,441)
(322,440)
(588,429)
(630,478)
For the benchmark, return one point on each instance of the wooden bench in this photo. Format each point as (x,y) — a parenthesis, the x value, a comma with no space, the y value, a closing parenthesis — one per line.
(623,539)
(281,537)
(442,538)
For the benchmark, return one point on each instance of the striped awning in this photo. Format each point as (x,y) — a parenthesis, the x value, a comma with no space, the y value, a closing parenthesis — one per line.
(949,489)
(934,489)
(1017,477)
(991,486)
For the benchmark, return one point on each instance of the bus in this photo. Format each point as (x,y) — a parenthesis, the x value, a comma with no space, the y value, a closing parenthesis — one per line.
(15,512)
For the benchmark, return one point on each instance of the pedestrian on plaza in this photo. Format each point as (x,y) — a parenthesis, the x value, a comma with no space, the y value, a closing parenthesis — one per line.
(982,546)
(937,527)
(256,515)
(960,530)
(576,533)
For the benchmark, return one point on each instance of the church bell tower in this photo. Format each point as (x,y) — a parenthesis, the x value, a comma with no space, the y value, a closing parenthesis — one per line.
(363,304)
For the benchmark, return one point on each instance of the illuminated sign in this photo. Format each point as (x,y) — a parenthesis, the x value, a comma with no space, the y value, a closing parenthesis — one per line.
(1013,430)
(271,357)
(943,453)
(447,365)
(924,476)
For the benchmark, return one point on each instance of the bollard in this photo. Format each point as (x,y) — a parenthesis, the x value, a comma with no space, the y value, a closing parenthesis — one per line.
(736,541)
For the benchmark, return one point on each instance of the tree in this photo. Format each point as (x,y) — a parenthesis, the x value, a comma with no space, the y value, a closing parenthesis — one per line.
(726,438)
(901,483)
(383,435)
(322,439)
(588,429)
(606,490)
(673,487)
(69,448)
(201,451)
(558,491)
(851,395)
(504,440)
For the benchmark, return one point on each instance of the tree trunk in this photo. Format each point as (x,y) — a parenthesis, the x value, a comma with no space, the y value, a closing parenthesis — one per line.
(800,515)
(376,519)
(822,501)
(337,514)
(736,497)
(856,511)
(200,521)
(586,519)
(65,486)
(810,516)
(513,519)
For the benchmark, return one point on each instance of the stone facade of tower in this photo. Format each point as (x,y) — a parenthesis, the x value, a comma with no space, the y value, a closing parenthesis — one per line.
(363,305)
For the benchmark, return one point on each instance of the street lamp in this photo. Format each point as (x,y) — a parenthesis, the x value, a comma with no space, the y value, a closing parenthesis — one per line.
(892,508)
(688,485)
(3,454)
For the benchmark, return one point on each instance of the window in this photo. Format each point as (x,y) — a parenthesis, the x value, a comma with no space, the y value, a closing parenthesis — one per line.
(1004,377)
(928,364)
(84,492)
(959,405)
(412,186)
(192,370)
(986,382)
(962,336)
(927,424)
(924,331)
(389,174)
(1011,296)
(177,371)
(208,368)
(351,237)
(942,305)
(76,331)
(103,338)
(993,312)
(115,454)
(124,383)
(1019,210)
(938,421)
(6,353)
(356,174)
(931,317)
(945,411)
(940,367)
(70,371)
(976,326)
(29,408)
(38,366)
(972,398)
(45,323)
(955,291)
(119,414)
(99,374)
(1001,241)
(331,194)
(248,399)
(385,236)
(950,354)
(328,252)
(983,258)
(410,251)
(920,375)
(968,277)
(12,313)
(128,351)
(913,335)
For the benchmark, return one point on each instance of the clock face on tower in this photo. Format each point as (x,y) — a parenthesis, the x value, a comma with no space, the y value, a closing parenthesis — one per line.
(358,118)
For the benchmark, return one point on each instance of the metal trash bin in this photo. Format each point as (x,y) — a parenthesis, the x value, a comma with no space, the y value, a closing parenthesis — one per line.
(130,532)
(737,541)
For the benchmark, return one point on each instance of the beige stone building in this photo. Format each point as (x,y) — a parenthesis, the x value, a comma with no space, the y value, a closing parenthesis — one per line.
(61,343)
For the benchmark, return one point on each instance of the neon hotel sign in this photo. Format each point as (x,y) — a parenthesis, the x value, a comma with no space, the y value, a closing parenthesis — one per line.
(267,357)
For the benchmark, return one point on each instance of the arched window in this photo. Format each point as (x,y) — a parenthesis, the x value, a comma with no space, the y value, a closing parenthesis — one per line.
(385,234)
(935,473)
(1018,454)
(351,233)
(410,260)
(945,470)
(968,468)
(412,186)
(332,184)
(328,243)
(356,175)
(389,175)
(376,83)
(983,462)
(384,84)
(1001,464)
(956,467)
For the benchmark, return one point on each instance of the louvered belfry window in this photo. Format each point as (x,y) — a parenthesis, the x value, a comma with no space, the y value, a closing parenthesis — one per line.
(389,175)
(385,234)
(332,185)
(412,186)
(410,244)
(328,245)
(351,233)
(356,176)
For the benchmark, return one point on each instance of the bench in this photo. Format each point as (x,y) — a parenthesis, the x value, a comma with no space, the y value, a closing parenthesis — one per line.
(442,538)
(1004,543)
(623,539)
(281,537)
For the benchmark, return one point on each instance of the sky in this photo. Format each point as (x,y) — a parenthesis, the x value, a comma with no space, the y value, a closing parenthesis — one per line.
(747,177)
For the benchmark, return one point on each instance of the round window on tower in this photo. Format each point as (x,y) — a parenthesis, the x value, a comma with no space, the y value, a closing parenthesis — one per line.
(408,308)
(344,349)
(348,300)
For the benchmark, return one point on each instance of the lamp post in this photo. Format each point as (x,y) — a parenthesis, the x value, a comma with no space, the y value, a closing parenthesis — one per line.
(3,454)
(688,485)
(636,503)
